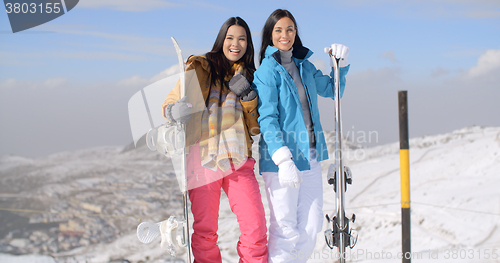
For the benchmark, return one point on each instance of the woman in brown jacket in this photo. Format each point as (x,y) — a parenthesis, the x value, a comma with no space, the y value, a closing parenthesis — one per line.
(218,139)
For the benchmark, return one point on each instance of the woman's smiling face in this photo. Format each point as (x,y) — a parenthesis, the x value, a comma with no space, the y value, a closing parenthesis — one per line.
(235,43)
(284,33)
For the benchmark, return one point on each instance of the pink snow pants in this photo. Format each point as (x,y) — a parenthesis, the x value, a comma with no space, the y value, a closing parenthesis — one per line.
(242,190)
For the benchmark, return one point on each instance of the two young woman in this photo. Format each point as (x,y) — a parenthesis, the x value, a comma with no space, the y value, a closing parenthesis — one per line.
(291,145)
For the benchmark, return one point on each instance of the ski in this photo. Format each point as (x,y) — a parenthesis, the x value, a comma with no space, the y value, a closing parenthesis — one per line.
(340,235)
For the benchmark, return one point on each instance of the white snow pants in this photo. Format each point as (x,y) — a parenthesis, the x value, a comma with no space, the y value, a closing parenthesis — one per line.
(296,215)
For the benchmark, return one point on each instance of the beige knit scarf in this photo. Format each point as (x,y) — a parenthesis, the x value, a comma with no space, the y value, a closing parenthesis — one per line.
(223,142)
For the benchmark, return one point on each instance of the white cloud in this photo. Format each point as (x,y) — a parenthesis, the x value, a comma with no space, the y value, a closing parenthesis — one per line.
(476,9)
(485,71)
(438,72)
(389,55)
(369,77)
(20,58)
(490,3)
(50,83)
(44,58)
(488,66)
(483,13)
(145,5)
(9,84)
(89,31)
(174,69)
(112,41)
(127,5)
(134,81)
(462,51)
(138,81)
(99,56)
(94,45)
(55,82)
(208,5)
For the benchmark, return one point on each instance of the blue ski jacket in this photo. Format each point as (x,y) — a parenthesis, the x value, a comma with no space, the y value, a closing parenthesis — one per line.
(281,118)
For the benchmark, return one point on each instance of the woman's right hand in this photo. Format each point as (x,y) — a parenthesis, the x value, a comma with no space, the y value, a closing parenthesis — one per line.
(179,111)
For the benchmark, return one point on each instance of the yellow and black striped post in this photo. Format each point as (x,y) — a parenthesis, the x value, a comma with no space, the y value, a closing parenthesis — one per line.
(404,157)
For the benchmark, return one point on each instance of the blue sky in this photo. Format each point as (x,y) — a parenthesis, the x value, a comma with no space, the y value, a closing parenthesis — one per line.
(65,85)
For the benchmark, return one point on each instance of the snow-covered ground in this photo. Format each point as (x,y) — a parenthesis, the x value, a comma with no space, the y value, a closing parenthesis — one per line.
(455,199)
(455,207)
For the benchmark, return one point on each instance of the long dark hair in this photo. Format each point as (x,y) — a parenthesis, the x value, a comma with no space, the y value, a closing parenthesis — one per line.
(267,31)
(219,64)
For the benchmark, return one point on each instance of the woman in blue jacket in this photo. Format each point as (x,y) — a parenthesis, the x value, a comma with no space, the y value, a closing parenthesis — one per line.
(292,142)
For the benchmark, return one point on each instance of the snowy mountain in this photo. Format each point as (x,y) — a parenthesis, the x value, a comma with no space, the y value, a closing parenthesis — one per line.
(85,205)
(455,201)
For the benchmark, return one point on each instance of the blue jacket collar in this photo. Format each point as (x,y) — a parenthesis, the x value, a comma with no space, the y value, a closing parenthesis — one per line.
(299,52)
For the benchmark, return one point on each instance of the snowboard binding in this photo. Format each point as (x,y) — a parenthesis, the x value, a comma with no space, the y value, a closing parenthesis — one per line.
(166,139)
(172,232)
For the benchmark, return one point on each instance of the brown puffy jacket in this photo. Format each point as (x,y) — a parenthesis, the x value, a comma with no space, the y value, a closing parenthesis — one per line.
(193,127)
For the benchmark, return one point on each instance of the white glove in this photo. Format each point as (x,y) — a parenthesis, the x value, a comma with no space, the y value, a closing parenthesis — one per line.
(339,51)
(288,173)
